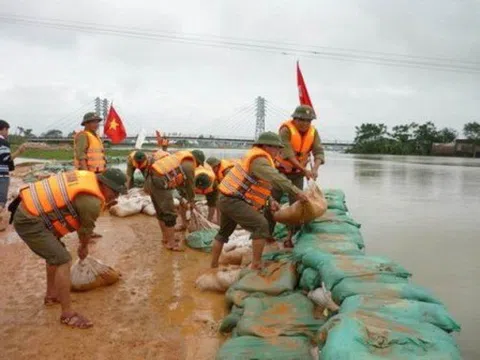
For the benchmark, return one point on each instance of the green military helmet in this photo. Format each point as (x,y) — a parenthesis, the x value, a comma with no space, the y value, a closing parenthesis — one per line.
(139,156)
(203,181)
(304,112)
(115,179)
(199,156)
(213,161)
(269,138)
(90,116)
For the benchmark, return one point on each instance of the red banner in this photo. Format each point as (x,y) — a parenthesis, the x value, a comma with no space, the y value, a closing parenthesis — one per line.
(302,89)
(114,128)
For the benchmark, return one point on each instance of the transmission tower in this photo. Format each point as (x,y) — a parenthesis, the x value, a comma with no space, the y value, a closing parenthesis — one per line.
(260,123)
(98,106)
(104,108)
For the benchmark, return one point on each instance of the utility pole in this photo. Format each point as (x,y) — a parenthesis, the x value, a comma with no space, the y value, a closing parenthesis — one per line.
(260,122)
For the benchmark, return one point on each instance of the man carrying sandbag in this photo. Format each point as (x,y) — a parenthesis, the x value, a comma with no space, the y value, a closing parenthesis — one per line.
(245,192)
(49,209)
(300,139)
(138,160)
(176,171)
(206,184)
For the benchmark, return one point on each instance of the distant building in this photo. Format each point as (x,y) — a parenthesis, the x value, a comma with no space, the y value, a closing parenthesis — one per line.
(460,147)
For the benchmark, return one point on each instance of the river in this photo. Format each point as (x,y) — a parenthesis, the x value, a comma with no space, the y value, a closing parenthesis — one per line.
(422,212)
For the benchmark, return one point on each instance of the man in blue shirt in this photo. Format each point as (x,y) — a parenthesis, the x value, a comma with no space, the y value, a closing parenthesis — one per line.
(6,165)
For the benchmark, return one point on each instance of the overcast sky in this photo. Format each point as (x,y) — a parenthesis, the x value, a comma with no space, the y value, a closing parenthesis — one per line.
(48,77)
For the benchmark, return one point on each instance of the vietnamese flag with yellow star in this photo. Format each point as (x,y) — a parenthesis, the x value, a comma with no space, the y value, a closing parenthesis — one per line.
(114,128)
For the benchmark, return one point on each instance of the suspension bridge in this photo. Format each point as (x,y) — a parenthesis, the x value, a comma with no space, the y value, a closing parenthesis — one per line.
(237,130)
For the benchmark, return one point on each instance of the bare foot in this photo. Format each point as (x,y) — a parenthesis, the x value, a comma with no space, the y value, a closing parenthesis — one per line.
(75,320)
(50,301)
(175,247)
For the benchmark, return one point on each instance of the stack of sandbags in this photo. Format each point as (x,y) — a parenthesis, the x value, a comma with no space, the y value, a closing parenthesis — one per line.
(89,273)
(219,279)
(303,212)
(136,201)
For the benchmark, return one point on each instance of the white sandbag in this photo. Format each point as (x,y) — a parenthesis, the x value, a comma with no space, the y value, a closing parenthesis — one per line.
(126,207)
(219,279)
(322,297)
(239,238)
(199,222)
(149,210)
(237,256)
(90,273)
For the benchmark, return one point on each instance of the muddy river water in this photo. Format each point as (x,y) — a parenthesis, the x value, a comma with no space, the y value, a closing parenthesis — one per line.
(421,212)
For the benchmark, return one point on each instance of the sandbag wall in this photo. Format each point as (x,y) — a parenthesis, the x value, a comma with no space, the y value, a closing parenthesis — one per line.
(382,315)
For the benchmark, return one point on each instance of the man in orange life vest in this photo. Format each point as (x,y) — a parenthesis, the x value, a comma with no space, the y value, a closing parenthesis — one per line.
(206,184)
(176,171)
(300,139)
(138,160)
(245,192)
(220,167)
(89,151)
(49,209)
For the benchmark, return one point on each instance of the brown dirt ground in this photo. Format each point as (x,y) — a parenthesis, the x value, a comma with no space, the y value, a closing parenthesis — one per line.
(154,312)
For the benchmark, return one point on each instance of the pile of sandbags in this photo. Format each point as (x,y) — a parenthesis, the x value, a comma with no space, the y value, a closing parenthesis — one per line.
(303,212)
(136,201)
(219,279)
(89,273)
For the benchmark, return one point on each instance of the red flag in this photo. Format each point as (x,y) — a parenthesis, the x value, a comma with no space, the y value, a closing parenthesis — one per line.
(302,89)
(114,128)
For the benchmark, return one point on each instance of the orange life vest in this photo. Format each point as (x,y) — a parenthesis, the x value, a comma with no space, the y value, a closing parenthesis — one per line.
(302,145)
(52,199)
(211,175)
(224,167)
(240,182)
(137,165)
(96,161)
(170,168)
(159,154)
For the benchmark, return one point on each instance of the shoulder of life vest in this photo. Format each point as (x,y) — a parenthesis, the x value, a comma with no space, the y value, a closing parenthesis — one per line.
(255,153)
(52,199)
(186,156)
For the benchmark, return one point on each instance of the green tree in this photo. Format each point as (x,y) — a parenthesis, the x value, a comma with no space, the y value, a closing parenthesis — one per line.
(472,131)
(447,135)
(425,135)
(28,133)
(54,133)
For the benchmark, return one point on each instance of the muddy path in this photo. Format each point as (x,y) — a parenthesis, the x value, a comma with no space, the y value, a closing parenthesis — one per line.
(154,312)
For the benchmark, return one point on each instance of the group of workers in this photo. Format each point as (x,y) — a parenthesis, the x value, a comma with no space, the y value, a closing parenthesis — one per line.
(241,192)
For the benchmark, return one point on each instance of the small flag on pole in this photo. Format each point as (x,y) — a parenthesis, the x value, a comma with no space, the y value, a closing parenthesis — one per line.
(114,128)
(302,89)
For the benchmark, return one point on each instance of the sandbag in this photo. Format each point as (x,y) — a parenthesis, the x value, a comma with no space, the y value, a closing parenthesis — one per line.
(199,222)
(399,309)
(303,212)
(367,335)
(280,232)
(134,202)
(288,315)
(335,199)
(219,279)
(333,231)
(201,240)
(310,243)
(274,348)
(400,290)
(237,256)
(309,280)
(230,321)
(333,269)
(90,273)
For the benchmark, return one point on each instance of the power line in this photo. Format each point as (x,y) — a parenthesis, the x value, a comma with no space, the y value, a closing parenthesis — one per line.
(337,54)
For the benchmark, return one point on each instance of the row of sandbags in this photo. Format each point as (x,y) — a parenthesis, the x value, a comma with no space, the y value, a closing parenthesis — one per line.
(382,314)
(375,311)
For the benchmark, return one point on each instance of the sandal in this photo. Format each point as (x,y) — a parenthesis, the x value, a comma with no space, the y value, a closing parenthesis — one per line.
(50,301)
(288,244)
(75,320)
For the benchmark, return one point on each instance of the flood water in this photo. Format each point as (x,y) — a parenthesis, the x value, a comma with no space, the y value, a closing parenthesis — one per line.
(422,212)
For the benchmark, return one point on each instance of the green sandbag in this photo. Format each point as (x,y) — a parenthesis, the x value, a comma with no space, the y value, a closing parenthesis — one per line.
(401,290)
(274,348)
(274,278)
(201,239)
(369,336)
(138,179)
(335,199)
(289,315)
(309,280)
(309,243)
(230,321)
(334,231)
(333,269)
(234,297)
(280,232)
(399,309)
(330,216)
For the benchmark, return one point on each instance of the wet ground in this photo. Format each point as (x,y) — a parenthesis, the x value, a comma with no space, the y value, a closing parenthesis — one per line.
(154,312)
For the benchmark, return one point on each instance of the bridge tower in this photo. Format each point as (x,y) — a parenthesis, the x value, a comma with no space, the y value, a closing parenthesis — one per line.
(260,112)
(98,106)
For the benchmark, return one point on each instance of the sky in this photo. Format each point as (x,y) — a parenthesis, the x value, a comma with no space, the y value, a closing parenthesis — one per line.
(49,77)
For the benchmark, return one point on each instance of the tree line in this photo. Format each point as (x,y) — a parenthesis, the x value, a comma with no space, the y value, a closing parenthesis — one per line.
(407,139)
